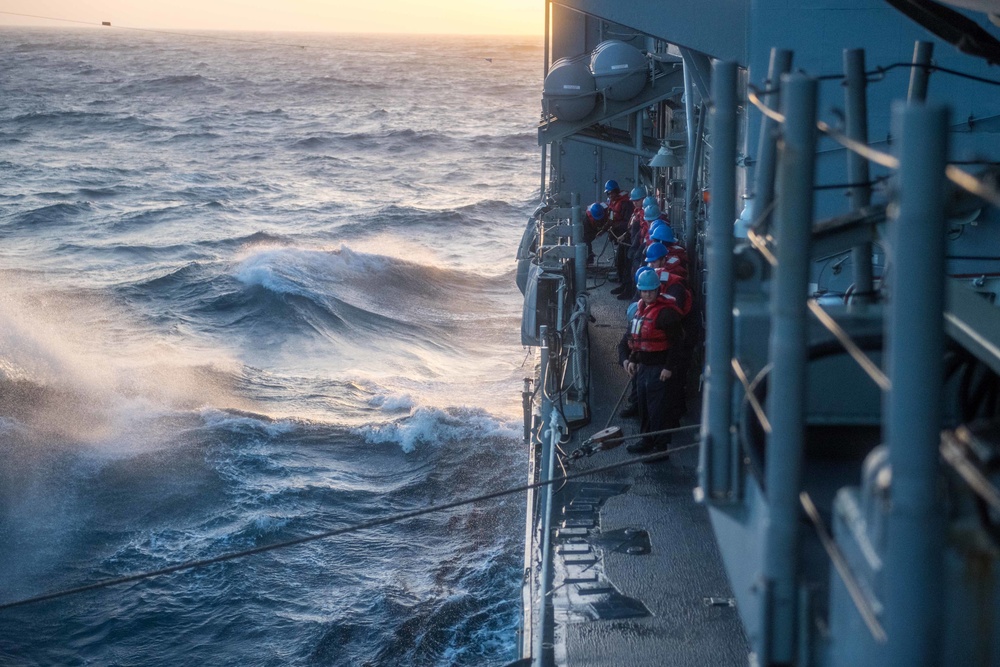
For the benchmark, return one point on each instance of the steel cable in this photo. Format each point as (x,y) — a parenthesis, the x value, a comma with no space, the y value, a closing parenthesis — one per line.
(188,565)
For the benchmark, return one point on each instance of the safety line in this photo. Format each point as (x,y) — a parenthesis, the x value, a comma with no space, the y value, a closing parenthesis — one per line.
(760,243)
(970,183)
(758,409)
(764,109)
(867,365)
(881,71)
(862,604)
(339,531)
(862,149)
(951,451)
(959,177)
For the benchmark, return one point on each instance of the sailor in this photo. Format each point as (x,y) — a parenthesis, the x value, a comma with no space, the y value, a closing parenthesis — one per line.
(677,260)
(619,213)
(630,245)
(653,334)
(596,222)
(619,206)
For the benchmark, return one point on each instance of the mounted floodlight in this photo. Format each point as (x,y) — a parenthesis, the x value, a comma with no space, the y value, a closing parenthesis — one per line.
(665,158)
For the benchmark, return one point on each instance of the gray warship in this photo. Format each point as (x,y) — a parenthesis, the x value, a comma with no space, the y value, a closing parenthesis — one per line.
(832,169)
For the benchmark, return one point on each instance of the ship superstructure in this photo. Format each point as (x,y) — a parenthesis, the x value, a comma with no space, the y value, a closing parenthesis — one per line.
(832,170)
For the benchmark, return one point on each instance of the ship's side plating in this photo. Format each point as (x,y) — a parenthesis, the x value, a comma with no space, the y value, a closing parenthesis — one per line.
(852,344)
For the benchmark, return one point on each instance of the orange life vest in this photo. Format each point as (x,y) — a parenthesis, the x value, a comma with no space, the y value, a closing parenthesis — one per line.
(643,334)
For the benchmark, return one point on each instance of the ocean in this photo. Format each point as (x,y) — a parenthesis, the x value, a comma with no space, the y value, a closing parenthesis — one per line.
(255,287)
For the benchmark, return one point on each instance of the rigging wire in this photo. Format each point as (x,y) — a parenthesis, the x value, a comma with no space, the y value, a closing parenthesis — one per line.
(748,391)
(959,177)
(843,568)
(188,565)
(866,364)
(878,74)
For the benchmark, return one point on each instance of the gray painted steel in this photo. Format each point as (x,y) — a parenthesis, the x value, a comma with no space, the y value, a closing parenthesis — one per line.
(826,413)
(716,27)
(856,120)
(915,334)
(717,445)
(786,396)
(767,151)
(919,76)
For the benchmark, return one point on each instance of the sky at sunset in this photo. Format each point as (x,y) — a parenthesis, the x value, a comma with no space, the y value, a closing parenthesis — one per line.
(471,17)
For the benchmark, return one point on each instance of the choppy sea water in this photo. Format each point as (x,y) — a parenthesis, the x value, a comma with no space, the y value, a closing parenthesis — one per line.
(253,291)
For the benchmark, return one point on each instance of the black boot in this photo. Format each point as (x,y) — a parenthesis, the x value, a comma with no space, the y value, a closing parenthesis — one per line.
(644,446)
(630,410)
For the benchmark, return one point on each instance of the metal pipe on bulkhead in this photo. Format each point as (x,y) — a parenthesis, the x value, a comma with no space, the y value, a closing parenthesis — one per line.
(579,245)
(642,153)
(637,145)
(787,354)
(856,120)
(548,37)
(692,148)
(544,507)
(781,63)
(914,331)
(716,442)
(919,74)
(541,189)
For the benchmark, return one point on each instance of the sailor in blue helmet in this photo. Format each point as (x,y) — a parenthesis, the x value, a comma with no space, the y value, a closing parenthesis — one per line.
(620,212)
(664,233)
(630,245)
(649,356)
(597,220)
(619,206)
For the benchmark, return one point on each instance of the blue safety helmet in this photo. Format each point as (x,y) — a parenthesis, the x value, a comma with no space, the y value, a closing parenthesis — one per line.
(651,212)
(637,193)
(597,211)
(655,251)
(641,270)
(648,281)
(648,200)
(663,233)
(630,313)
(611,186)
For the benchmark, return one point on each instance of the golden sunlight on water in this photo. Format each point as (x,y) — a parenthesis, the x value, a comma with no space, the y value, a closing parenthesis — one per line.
(462,17)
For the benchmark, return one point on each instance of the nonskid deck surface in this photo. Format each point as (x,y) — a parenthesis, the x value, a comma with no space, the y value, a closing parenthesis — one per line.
(639,580)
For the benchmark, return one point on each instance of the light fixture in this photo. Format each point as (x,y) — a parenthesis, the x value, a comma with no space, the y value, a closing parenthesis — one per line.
(665,158)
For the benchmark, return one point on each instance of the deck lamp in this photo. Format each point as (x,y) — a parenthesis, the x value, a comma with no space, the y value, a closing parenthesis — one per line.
(665,158)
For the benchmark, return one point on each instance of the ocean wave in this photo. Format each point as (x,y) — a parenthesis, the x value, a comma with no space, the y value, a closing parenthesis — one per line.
(109,192)
(62,213)
(64,117)
(431,426)
(402,139)
(392,403)
(192,136)
(170,83)
(85,120)
(236,421)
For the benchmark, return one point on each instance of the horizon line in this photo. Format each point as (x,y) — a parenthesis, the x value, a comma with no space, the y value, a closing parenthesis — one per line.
(90,25)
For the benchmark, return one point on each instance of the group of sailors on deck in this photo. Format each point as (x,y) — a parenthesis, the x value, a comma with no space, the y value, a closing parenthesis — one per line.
(652,271)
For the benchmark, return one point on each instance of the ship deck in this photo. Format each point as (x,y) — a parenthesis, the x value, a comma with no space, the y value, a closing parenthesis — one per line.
(617,598)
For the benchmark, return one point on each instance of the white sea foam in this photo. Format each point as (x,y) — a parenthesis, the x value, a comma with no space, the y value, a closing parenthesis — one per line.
(392,403)
(431,426)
